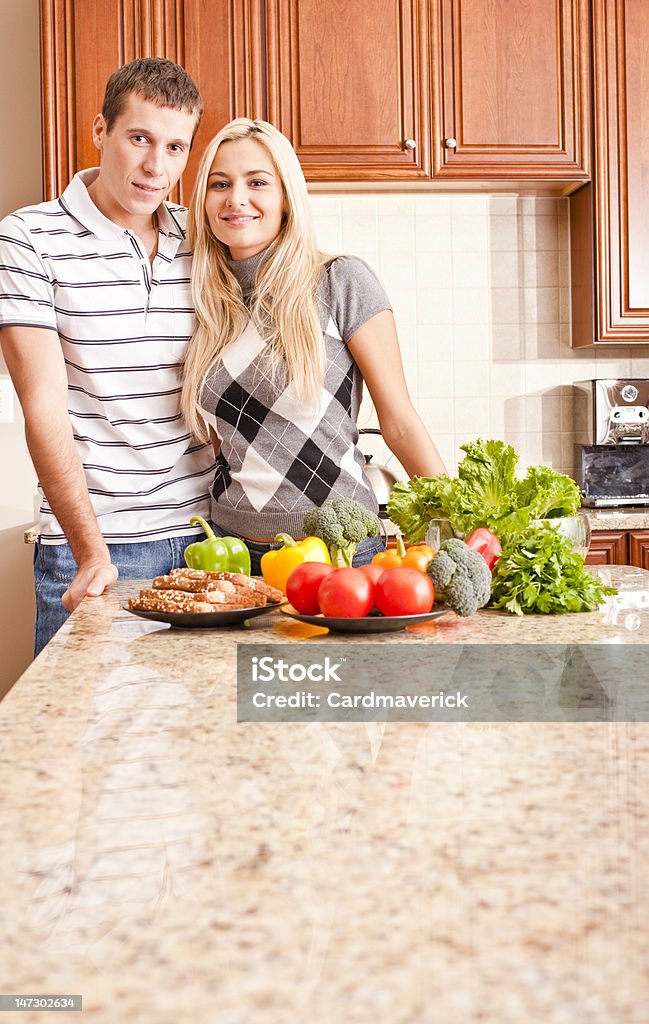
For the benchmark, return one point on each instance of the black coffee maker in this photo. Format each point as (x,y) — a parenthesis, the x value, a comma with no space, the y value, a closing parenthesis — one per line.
(613,468)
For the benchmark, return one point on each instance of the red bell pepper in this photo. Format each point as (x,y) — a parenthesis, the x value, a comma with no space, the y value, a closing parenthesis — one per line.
(486,544)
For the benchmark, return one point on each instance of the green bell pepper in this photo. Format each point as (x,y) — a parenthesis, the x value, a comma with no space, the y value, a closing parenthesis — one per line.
(217,554)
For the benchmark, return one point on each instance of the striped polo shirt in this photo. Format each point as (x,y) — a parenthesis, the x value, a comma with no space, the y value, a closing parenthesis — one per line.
(123,329)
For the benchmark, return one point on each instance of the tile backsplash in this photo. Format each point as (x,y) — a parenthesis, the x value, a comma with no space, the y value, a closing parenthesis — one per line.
(480,287)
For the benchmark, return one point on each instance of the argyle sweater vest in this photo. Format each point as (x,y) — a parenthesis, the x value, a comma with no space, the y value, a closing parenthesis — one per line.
(279,458)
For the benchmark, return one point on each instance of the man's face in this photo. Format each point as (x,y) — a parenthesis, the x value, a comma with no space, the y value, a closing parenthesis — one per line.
(142,157)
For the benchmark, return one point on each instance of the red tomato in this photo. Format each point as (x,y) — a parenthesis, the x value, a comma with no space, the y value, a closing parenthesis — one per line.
(402,591)
(302,586)
(346,594)
(372,571)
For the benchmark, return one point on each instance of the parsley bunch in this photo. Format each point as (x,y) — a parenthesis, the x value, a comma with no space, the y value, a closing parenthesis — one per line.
(539,572)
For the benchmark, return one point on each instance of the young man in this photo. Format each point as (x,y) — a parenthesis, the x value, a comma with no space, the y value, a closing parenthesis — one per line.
(95,314)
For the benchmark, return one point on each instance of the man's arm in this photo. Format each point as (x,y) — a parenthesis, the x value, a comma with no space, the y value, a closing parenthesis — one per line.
(35,362)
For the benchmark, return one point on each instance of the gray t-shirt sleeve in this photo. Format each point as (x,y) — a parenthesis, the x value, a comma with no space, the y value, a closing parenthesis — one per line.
(355,294)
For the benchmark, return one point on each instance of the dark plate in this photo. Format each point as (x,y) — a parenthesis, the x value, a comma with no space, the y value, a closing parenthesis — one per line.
(205,620)
(369,624)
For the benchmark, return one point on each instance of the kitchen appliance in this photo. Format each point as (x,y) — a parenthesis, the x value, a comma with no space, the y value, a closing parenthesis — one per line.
(380,477)
(613,467)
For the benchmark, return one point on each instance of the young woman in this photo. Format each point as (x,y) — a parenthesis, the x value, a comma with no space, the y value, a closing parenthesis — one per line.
(285,338)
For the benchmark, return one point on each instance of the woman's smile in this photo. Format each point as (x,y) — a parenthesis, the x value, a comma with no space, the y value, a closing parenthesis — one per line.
(238,218)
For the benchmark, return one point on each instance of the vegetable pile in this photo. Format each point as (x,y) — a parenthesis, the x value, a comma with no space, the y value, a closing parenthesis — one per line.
(538,570)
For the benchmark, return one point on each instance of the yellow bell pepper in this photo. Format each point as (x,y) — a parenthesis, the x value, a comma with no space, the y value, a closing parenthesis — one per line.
(277,566)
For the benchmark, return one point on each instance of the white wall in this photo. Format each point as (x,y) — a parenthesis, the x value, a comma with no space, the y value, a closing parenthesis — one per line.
(20,184)
(481,293)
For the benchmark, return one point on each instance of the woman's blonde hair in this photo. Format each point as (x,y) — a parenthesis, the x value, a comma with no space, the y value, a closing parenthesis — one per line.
(284,303)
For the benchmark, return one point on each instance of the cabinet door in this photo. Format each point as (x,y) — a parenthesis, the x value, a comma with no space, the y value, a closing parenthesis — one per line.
(639,548)
(510,89)
(610,222)
(608,547)
(83,43)
(347,83)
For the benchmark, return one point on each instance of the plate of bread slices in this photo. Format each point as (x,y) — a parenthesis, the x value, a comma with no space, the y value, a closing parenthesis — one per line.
(198,599)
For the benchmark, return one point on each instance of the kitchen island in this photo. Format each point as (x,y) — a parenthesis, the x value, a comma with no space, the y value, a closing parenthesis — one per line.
(173,865)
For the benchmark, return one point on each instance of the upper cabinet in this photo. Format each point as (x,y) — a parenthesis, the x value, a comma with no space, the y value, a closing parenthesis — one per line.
(348,84)
(610,217)
(455,90)
(369,91)
(510,89)
(83,43)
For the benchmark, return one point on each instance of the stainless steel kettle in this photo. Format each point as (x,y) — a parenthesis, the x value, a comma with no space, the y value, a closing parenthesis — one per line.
(380,477)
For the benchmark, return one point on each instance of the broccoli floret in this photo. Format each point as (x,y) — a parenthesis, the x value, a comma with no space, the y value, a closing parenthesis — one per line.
(460,595)
(342,524)
(460,552)
(461,577)
(441,570)
(324,523)
(350,518)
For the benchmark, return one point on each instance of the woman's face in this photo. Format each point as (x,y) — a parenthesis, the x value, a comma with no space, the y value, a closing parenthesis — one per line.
(245,200)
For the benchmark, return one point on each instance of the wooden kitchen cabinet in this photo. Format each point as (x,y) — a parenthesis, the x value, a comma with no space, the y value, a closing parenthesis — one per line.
(619,547)
(369,91)
(346,82)
(639,548)
(348,85)
(610,217)
(608,547)
(510,89)
(454,89)
(83,43)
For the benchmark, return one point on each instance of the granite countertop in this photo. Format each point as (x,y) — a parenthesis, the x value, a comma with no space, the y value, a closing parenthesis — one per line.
(173,865)
(622,518)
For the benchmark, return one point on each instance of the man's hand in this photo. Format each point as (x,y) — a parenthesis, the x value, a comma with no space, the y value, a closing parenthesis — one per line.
(91,581)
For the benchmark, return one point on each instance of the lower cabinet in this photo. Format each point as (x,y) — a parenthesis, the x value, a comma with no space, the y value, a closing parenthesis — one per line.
(619,547)
(639,548)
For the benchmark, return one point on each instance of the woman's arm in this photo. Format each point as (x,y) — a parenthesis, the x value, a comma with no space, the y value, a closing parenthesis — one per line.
(375,349)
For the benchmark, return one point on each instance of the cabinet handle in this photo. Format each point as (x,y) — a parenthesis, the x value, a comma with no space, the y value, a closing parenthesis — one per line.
(450,143)
(410,144)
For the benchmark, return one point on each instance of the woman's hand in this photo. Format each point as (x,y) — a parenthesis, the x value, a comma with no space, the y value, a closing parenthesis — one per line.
(376,352)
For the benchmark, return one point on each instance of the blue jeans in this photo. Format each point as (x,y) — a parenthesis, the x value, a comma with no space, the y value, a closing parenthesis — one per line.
(364,552)
(55,568)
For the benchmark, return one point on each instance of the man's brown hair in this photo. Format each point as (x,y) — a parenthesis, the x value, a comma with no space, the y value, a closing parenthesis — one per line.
(155,79)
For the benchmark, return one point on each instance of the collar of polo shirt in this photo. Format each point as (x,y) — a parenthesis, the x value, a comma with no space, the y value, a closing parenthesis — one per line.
(78,202)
